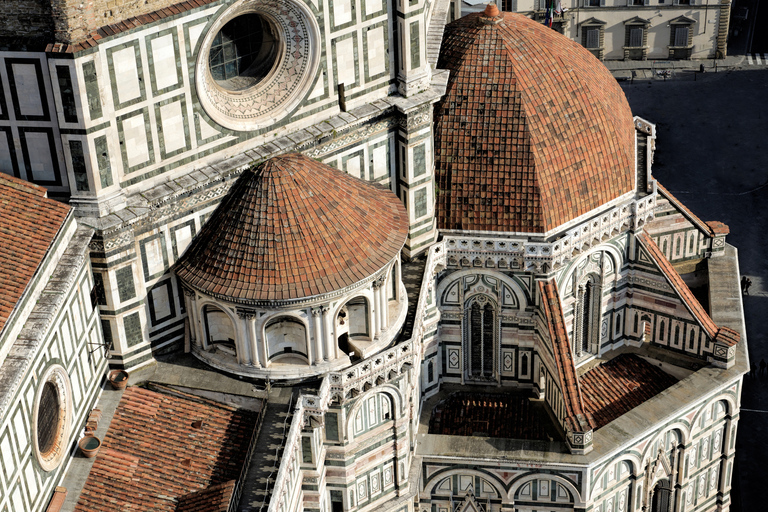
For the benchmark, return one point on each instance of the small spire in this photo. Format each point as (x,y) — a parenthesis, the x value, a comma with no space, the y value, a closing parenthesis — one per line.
(491,15)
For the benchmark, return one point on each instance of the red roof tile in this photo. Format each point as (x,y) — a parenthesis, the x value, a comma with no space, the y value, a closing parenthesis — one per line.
(29,222)
(566,368)
(621,384)
(532,132)
(216,498)
(293,228)
(153,456)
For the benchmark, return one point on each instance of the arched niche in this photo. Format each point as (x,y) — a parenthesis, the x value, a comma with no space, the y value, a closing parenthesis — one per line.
(286,338)
(353,324)
(220,331)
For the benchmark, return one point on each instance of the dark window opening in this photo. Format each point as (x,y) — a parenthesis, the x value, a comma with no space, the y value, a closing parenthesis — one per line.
(48,418)
(243,52)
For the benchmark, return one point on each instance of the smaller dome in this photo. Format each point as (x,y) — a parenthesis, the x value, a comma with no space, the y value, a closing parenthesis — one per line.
(294,228)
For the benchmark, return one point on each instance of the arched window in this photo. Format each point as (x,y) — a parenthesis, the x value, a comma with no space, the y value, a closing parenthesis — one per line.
(691,339)
(677,334)
(637,322)
(661,330)
(618,324)
(480,338)
(352,323)
(587,328)
(662,494)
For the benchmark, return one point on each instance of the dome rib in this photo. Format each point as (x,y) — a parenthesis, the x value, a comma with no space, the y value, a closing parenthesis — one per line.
(533,130)
(294,228)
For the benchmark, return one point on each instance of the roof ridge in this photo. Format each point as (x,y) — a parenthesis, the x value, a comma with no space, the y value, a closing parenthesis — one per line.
(684,293)
(561,347)
(684,209)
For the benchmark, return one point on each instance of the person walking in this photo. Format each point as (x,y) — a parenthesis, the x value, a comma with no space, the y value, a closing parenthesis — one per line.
(743,285)
(746,288)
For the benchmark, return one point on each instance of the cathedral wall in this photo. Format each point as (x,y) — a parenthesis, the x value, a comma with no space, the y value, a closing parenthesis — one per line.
(68,349)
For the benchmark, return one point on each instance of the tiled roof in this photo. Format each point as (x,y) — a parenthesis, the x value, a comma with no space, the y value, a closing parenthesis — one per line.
(216,498)
(724,335)
(677,283)
(94,37)
(508,415)
(532,132)
(29,222)
(156,453)
(292,228)
(619,385)
(566,368)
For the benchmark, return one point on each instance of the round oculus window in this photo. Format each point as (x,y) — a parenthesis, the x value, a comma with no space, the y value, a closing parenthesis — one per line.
(257,62)
(243,52)
(52,414)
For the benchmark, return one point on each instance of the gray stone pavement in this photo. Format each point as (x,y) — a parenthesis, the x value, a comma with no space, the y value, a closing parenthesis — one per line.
(712,153)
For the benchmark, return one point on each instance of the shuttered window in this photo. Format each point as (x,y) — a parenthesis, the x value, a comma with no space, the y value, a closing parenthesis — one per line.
(681,36)
(593,38)
(636,37)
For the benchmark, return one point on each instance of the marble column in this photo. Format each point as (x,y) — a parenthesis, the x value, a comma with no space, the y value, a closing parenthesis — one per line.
(328,331)
(242,342)
(254,342)
(317,326)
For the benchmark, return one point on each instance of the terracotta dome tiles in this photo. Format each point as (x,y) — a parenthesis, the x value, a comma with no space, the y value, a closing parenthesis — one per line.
(294,228)
(532,132)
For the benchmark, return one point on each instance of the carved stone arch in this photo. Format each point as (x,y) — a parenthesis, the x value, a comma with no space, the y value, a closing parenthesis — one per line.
(392,393)
(684,438)
(579,266)
(521,296)
(635,468)
(436,479)
(520,481)
(724,397)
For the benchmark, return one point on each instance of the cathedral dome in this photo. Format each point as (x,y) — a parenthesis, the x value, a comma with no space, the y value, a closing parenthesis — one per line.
(294,228)
(533,131)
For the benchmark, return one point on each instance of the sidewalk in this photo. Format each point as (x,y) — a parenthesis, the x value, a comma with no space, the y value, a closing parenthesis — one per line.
(648,69)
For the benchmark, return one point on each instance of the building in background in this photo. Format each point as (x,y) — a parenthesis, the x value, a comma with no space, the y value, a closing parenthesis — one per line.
(633,29)
(447,239)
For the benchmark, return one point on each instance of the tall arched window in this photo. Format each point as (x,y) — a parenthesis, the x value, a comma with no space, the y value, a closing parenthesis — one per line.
(587,328)
(662,494)
(480,335)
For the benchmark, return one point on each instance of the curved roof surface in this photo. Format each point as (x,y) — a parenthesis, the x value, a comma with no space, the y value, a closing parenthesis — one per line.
(532,132)
(293,228)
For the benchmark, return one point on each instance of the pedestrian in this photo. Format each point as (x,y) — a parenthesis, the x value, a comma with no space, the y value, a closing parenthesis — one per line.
(743,285)
(749,283)
(762,366)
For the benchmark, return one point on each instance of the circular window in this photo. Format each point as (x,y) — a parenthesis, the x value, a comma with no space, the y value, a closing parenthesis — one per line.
(243,52)
(257,63)
(52,414)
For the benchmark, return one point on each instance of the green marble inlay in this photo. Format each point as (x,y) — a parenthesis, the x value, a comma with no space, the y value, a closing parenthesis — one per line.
(133,334)
(419,160)
(420,203)
(78,165)
(415,48)
(102,160)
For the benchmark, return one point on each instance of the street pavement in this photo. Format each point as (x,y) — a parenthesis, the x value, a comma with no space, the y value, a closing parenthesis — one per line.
(712,153)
